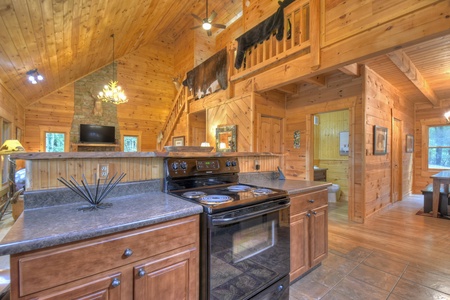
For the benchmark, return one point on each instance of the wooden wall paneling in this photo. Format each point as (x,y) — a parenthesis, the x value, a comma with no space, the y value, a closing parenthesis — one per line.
(382,101)
(343,20)
(258,11)
(146,75)
(54,110)
(229,34)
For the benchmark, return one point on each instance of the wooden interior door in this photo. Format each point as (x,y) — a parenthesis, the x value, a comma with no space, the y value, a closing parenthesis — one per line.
(269,139)
(397,160)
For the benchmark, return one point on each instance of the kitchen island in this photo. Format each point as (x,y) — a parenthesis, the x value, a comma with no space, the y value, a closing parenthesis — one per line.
(142,240)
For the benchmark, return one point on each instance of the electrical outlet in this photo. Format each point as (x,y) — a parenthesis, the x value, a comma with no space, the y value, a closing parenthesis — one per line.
(103,171)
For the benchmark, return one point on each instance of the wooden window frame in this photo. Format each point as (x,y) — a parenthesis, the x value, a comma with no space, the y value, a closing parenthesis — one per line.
(55,129)
(136,133)
(425,125)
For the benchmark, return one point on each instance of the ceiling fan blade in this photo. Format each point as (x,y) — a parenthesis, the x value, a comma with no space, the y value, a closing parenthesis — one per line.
(219,26)
(197,17)
(212,16)
(209,32)
(195,27)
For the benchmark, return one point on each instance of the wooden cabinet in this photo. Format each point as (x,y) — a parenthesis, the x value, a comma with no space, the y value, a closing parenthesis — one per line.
(145,263)
(320,174)
(309,231)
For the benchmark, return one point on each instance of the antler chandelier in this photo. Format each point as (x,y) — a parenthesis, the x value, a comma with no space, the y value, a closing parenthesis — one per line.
(112,92)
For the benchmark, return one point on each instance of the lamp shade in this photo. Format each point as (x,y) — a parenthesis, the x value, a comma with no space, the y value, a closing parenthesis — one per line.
(11,146)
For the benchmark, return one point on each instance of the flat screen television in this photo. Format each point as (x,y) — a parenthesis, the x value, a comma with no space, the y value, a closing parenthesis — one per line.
(97,134)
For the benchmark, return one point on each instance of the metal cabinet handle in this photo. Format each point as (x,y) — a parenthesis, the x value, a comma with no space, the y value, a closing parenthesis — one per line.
(314,212)
(115,282)
(311,201)
(308,215)
(128,252)
(141,272)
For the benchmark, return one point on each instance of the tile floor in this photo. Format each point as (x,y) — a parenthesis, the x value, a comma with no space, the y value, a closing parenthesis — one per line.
(359,274)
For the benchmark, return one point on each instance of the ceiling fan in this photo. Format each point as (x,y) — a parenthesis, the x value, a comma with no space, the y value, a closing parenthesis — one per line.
(206,22)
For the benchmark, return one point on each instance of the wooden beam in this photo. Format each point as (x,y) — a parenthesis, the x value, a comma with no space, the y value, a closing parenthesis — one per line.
(318,80)
(288,89)
(404,63)
(352,70)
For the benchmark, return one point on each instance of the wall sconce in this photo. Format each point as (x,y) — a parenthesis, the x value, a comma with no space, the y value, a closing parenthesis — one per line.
(34,75)
(447,116)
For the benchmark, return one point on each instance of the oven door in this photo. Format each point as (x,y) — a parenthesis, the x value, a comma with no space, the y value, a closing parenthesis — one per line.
(249,251)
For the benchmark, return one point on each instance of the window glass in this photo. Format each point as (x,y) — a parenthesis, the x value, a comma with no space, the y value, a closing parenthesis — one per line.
(439,147)
(54,142)
(130,143)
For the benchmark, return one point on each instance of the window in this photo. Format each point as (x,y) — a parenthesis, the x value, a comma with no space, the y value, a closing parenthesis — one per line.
(54,142)
(439,147)
(130,143)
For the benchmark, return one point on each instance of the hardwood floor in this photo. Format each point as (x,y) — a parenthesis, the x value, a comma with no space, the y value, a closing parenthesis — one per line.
(396,254)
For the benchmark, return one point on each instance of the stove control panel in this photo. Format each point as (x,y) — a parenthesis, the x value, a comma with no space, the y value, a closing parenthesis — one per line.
(176,167)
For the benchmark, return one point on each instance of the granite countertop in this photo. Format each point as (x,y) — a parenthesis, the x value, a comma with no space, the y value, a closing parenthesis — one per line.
(292,186)
(55,225)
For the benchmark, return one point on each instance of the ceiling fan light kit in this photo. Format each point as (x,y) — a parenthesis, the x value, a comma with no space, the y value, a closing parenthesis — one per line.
(207,21)
(34,76)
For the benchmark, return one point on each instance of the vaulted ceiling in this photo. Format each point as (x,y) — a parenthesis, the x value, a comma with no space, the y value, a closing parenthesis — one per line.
(68,39)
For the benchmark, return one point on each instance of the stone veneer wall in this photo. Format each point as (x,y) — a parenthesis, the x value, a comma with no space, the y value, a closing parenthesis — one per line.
(86,90)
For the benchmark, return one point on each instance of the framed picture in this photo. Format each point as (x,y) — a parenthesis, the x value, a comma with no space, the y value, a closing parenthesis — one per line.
(380,136)
(409,143)
(343,143)
(178,141)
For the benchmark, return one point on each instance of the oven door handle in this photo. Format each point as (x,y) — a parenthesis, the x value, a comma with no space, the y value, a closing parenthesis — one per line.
(228,221)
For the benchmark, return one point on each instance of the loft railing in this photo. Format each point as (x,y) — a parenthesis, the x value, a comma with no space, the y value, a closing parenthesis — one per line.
(296,39)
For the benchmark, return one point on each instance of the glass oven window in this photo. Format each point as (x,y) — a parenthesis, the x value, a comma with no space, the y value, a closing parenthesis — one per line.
(247,256)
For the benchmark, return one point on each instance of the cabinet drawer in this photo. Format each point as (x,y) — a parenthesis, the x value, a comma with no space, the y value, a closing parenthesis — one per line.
(44,269)
(304,202)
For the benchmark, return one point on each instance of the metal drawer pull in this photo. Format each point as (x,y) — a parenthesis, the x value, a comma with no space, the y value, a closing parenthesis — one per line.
(308,215)
(115,282)
(128,252)
(314,213)
(141,272)
(311,201)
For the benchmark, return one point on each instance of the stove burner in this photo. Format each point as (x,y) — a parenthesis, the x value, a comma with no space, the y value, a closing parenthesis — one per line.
(262,191)
(213,199)
(239,188)
(193,194)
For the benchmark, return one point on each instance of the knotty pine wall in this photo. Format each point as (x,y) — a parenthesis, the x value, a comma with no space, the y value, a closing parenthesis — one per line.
(383,103)
(11,111)
(425,115)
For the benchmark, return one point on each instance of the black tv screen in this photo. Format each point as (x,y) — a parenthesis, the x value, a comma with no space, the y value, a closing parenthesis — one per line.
(97,134)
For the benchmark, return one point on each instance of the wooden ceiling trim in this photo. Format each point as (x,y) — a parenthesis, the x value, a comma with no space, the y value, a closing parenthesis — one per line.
(318,80)
(404,63)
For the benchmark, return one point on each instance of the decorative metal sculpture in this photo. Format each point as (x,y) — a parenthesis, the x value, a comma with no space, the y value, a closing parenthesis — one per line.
(101,191)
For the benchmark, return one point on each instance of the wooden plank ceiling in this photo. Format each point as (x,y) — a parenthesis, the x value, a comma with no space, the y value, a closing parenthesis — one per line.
(68,39)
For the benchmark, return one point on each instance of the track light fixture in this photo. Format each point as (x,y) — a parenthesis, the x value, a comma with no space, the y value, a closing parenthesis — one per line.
(34,76)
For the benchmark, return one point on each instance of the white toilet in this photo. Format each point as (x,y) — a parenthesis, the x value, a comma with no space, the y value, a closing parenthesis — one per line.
(334,193)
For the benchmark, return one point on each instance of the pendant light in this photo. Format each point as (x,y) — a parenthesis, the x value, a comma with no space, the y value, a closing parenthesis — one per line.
(112,92)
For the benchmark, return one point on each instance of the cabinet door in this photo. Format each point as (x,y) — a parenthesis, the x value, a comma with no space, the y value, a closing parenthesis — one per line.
(318,234)
(173,277)
(299,245)
(103,288)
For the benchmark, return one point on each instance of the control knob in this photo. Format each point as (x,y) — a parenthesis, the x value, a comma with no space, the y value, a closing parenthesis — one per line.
(228,163)
(234,163)
(183,165)
(174,166)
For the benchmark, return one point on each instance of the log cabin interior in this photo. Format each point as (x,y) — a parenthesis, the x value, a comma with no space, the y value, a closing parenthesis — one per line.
(306,102)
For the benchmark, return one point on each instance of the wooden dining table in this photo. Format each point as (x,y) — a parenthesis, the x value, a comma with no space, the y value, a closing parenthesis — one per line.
(438,179)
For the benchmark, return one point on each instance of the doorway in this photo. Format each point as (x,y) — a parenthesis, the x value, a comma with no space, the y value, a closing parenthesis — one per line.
(331,148)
